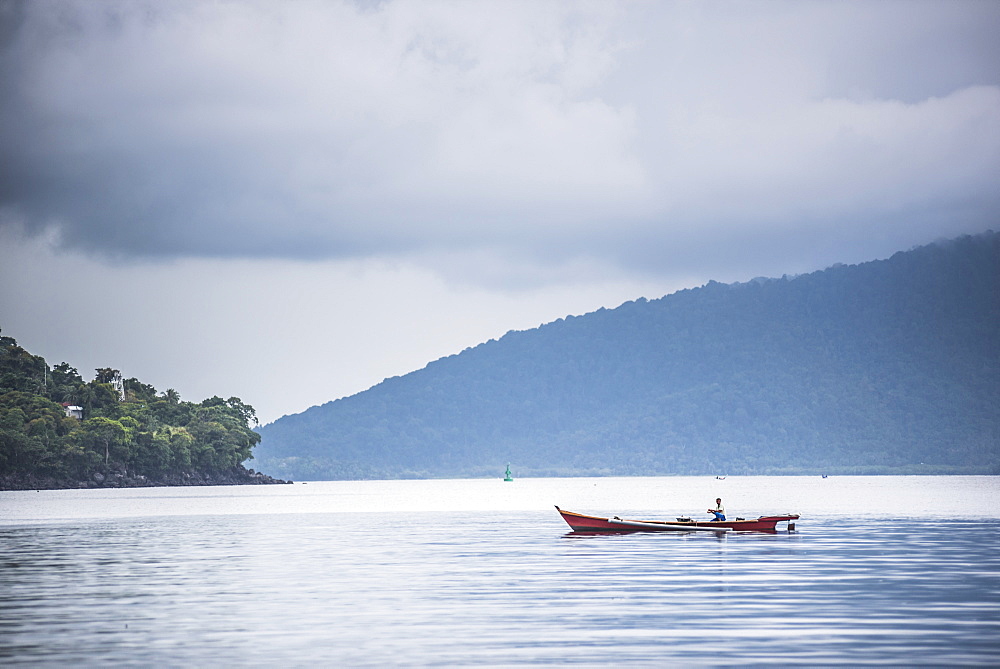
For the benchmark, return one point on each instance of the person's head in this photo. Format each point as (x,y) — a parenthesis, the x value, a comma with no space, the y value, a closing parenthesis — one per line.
(718,500)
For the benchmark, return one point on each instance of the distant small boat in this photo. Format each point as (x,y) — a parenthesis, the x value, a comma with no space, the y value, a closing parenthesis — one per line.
(721,478)
(507,476)
(583,523)
(824,475)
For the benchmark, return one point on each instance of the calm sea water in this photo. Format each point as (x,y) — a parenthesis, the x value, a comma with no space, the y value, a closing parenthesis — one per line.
(880,570)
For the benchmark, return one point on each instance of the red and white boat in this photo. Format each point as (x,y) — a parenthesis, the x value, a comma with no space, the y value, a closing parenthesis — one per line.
(583,523)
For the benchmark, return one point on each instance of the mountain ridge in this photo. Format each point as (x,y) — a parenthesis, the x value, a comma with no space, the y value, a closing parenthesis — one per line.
(884,366)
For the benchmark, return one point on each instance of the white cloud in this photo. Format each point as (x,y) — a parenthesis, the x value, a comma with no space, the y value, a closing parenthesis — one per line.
(555,130)
(835,160)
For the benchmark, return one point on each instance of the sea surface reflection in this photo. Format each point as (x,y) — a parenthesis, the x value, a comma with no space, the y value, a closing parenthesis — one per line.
(492,587)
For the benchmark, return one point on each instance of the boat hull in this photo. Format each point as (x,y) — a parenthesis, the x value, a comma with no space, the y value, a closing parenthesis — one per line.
(583,523)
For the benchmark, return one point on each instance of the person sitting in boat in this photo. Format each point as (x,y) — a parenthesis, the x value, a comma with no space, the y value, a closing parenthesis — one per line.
(719,510)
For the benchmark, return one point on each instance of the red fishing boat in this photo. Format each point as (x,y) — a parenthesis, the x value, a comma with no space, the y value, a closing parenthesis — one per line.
(583,523)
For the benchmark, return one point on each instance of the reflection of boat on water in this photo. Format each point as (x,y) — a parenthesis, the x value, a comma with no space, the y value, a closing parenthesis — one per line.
(583,523)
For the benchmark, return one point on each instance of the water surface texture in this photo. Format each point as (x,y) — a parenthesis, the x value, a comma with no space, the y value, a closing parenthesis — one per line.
(880,570)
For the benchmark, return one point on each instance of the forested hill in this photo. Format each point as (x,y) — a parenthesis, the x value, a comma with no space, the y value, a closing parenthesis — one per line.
(890,366)
(57,431)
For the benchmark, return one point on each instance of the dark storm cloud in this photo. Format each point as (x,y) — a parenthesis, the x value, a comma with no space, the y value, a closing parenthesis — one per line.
(631,134)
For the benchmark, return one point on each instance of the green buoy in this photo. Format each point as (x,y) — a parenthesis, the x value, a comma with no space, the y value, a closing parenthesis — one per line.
(507,476)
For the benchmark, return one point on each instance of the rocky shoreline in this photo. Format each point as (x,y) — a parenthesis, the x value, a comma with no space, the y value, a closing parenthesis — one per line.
(117,479)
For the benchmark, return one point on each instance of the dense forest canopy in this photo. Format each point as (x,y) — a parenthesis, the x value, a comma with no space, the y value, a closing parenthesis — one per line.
(888,366)
(123,427)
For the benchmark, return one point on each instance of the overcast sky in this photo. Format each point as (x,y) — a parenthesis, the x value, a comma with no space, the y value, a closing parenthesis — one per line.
(289,202)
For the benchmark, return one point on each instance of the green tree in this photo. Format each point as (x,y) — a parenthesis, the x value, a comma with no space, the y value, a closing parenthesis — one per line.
(98,398)
(19,370)
(64,383)
(107,375)
(18,452)
(102,435)
(32,434)
(181,443)
(137,391)
(153,453)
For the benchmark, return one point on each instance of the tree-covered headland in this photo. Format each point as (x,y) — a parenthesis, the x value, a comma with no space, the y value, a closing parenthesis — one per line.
(57,430)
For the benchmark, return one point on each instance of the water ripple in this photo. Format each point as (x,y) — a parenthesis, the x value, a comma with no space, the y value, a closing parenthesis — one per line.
(494,588)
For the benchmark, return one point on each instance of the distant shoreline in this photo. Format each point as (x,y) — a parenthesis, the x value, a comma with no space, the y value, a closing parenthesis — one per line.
(100,480)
